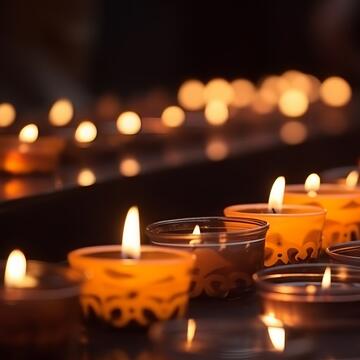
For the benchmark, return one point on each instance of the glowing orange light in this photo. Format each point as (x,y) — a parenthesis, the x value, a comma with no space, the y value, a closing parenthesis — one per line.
(220,90)
(293,132)
(244,92)
(276,331)
(217,150)
(293,103)
(61,112)
(326,280)
(173,116)
(86,177)
(335,91)
(352,179)
(86,132)
(190,333)
(276,197)
(216,112)
(131,247)
(129,167)
(312,184)
(7,114)
(196,231)
(128,123)
(191,95)
(29,133)
(260,105)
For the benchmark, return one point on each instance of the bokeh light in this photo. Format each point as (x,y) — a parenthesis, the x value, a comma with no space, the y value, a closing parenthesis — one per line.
(244,92)
(293,132)
(129,167)
(29,133)
(217,149)
(260,106)
(61,113)
(7,114)
(219,89)
(86,177)
(293,103)
(85,132)
(335,91)
(191,95)
(173,116)
(216,112)
(128,123)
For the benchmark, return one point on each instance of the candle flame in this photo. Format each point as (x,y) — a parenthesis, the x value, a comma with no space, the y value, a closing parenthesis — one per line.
(312,184)
(196,231)
(86,177)
(276,197)
(131,235)
(352,179)
(15,271)
(7,114)
(128,123)
(61,112)
(276,331)
(326,280)
(86,132)
(29,133)
(190,334)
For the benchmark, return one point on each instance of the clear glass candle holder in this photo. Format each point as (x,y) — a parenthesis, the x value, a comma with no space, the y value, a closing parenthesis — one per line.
(345,253)
(228,251)
(294,295)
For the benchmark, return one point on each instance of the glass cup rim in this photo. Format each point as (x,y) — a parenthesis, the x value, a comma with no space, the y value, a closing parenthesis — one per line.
(341,191)
(332,250)
(167,238)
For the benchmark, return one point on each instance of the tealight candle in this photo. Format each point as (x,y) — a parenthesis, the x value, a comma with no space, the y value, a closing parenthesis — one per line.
(39,309)
(311,295)
(228,251)
(295,230)
(133,285)
(27,153)
(342,204)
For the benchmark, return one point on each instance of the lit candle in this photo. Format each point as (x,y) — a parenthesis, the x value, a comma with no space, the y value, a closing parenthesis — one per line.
(311,295)
(228,251)
(28,152)
(133,284)
(342,204)
(39,309)
(295,230)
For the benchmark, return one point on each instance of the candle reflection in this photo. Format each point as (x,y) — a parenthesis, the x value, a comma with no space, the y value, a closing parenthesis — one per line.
(190,333)
(86,177)
(352,179)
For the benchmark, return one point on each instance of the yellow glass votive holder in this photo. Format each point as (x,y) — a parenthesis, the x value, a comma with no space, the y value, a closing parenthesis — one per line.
(343,210)
(294,234)
(133,292)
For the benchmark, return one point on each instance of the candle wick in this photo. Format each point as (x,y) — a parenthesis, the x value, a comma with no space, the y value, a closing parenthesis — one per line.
(273,210)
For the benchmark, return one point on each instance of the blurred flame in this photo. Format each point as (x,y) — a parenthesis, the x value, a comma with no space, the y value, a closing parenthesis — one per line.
(326,280)
(191,95)
(128,123)
(196,231)
(275,330)
(217,149)
(293,103)
(335,91)
(173,116)
(86,177)
(216,112)
(131,236)
(352,179)
(129,167)
(86,132)
(7,114)
(29,133)
(220,90)
(312,184)
(293,132)
(276,197)
(244,92)
(190,333)
(61,112)
(15,271)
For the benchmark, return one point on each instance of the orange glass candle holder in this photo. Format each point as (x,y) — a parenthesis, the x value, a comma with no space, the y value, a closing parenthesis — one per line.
(18,157)
(294,234)
(343,210)
(122,292)
(228,251)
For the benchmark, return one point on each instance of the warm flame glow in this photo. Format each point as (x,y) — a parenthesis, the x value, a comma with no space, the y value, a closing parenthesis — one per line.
(326,280)
(335,91)
(86,132)
(275,330)
(293,132)
(131,235)
(190,334)
(15,271)
(293,103)
(173,116)
(217,149)
(29,133)
(312,184)
(196,231)
(216,112)
(220,90)
(352,179)
(61,112)
(128,123)
(244,92)
(7,114)
(129,167)
(191,95)
(276,197)
(86,177)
